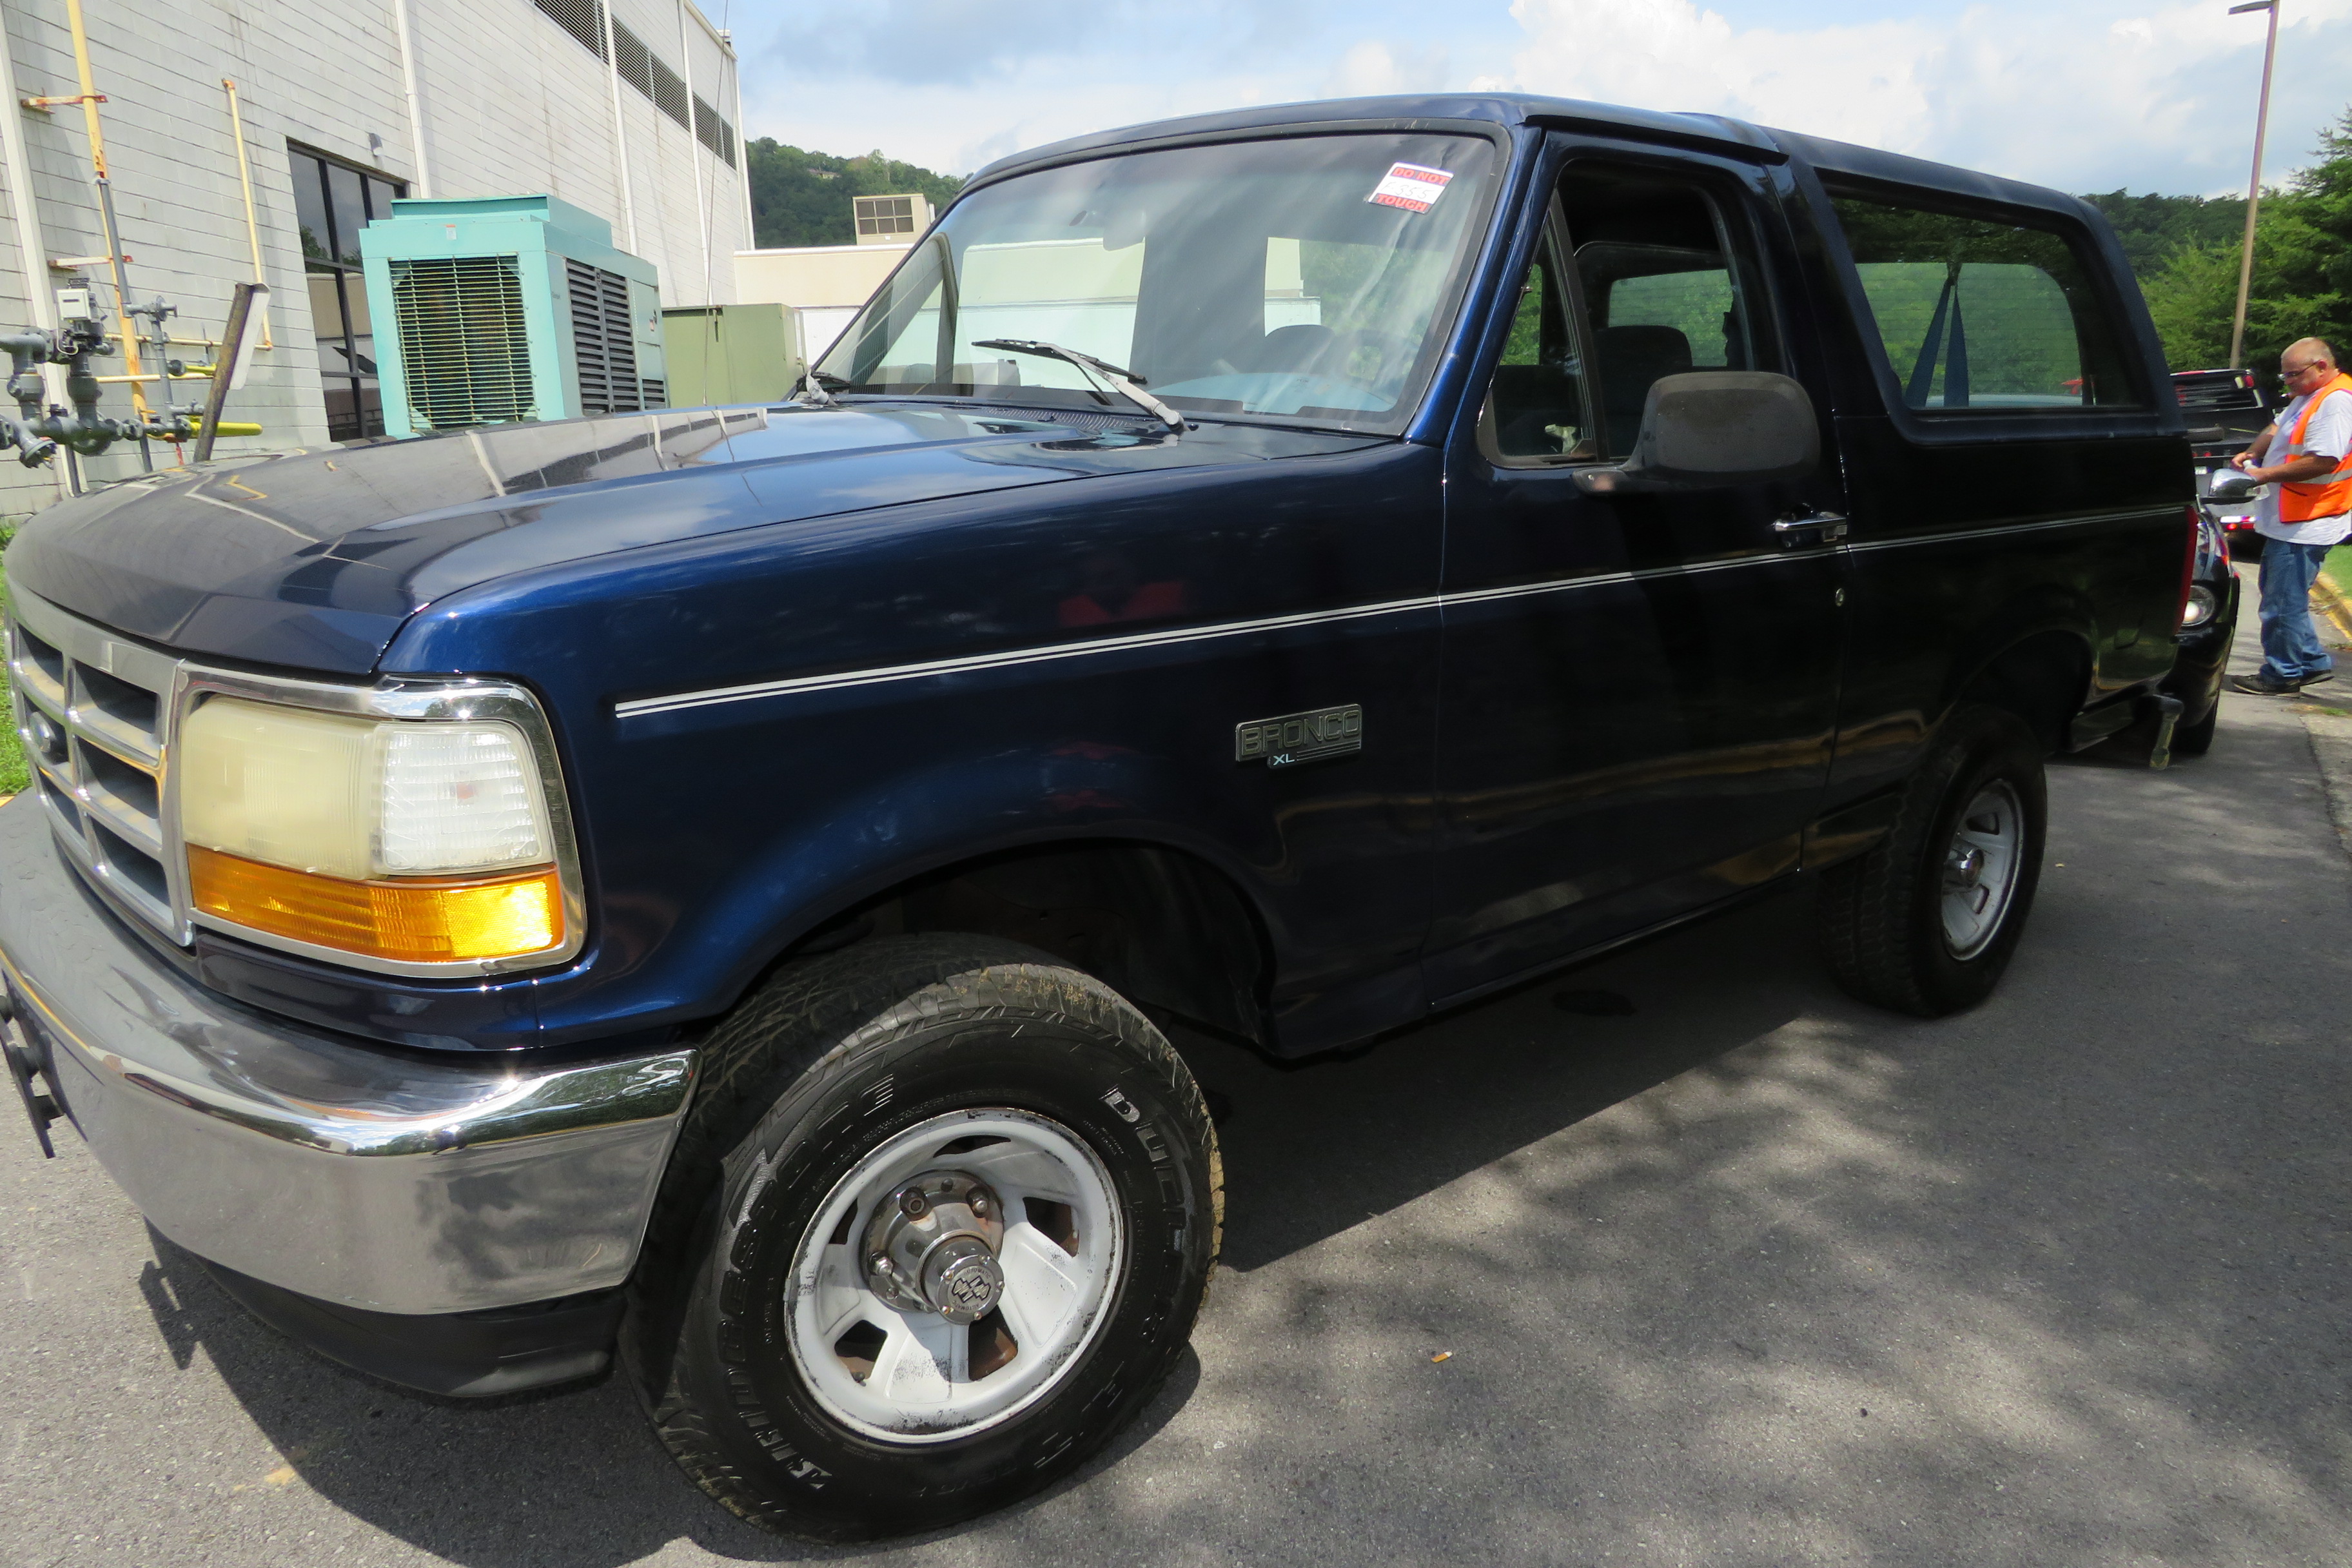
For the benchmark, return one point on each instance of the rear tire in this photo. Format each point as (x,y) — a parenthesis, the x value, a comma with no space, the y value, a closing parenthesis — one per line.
(1926,921)
(1050,1137)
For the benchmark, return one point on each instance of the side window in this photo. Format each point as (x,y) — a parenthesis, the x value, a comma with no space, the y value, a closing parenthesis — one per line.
(1670,283)
(1537,411)
(1985,309)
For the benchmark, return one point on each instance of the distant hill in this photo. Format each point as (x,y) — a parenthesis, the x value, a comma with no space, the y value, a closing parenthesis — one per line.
(798,198)
(2184,248)
(2154,227)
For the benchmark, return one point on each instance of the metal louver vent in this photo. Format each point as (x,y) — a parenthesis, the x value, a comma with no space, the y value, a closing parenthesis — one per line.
(601,341)
(465,354)
(669,93)
(632,59)
(655,394)
(714,133)
(584,20)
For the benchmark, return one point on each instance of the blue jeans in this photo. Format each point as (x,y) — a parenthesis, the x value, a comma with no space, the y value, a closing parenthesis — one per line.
(2291,646)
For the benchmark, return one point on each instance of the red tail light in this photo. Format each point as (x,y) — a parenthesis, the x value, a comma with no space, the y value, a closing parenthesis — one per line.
(2187,569)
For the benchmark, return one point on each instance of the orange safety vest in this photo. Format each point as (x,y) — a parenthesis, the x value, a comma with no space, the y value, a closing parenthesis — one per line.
(2329,497)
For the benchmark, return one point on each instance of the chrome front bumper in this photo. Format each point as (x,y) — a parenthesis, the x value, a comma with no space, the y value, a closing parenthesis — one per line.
(387,1180)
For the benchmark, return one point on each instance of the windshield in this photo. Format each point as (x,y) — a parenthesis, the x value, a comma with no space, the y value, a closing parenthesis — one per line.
(1307,279)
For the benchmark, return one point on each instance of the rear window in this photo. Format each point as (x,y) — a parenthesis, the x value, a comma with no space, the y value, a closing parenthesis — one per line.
(1989,310)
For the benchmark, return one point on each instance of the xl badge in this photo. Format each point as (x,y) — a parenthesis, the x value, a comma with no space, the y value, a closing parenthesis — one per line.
(1300,737)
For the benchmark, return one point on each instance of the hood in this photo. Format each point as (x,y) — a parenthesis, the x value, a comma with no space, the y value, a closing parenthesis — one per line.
(313,559)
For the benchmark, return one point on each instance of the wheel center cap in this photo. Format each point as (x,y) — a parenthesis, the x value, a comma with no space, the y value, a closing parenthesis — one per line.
(963,1281)
(1965,870)
(931,1247)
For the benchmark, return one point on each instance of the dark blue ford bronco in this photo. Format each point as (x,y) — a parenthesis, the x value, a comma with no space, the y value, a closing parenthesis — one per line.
(708,888)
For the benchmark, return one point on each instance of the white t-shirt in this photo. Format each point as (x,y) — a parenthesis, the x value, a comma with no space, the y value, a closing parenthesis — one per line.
(2330,436)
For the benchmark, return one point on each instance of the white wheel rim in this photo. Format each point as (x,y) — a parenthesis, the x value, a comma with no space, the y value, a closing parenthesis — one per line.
(907,1375)
(1981,868)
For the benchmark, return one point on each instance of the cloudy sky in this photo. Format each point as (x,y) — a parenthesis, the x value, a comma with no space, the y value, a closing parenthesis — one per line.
(2088,95)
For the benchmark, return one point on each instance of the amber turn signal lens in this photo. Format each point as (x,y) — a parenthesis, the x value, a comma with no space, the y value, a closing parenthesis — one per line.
(420,920)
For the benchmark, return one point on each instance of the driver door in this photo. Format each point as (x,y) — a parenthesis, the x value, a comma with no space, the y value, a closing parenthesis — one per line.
(1639,690)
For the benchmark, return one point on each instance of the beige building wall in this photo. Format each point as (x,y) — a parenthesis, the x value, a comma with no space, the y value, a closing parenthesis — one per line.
(824,285)
(510,103)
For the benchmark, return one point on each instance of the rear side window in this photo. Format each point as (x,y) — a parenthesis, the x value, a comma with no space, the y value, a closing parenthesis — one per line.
(1988,311)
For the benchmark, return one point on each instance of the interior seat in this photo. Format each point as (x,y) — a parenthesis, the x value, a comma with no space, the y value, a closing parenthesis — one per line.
(1631,359)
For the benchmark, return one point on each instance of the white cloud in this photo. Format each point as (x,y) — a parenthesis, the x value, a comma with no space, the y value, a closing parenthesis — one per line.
(2082,94)
(2070,95)
(1371,68)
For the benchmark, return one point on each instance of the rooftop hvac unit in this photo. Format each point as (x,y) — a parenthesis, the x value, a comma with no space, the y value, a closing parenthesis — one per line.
(507,307)
(889,220)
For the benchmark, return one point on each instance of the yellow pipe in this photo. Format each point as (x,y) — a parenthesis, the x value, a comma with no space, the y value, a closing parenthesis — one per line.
(245,178)
(106,203)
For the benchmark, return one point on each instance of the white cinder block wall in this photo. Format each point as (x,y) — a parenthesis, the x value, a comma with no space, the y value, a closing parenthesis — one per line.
(510,104)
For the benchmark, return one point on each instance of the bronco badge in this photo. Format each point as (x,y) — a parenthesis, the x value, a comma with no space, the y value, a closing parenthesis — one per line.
(1300,737)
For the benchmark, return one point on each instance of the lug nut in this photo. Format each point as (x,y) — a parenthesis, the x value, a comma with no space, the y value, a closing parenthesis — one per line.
(879,1263)
(979,1205)
(913,1204)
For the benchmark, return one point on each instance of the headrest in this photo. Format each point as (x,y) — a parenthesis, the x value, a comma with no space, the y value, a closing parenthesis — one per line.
(1653,350)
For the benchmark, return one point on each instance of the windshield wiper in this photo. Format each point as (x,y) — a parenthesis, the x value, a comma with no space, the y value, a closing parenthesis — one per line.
(813,390)
(1126,383)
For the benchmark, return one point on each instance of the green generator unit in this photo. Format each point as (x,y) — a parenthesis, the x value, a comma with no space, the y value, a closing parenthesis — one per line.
(730,353)
(495,309)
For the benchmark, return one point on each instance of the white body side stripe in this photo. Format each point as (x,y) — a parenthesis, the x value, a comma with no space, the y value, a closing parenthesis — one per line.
(644,706)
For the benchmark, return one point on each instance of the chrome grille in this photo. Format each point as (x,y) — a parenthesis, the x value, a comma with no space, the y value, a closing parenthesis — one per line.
(93,711)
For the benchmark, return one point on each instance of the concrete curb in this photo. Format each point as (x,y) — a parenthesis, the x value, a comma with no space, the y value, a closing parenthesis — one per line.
(2331,743)
(2329,602)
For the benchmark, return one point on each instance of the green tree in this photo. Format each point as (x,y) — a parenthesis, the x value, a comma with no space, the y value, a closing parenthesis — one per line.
(2303,272)
(800,197)
(2154,227)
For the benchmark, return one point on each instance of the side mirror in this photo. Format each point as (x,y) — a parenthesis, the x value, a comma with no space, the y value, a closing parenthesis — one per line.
(2230,484)
(1710,429)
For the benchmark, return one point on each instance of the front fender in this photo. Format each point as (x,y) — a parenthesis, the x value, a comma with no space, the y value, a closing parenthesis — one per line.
(895,829)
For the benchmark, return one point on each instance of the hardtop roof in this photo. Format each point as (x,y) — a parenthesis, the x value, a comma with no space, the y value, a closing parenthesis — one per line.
(1511,110)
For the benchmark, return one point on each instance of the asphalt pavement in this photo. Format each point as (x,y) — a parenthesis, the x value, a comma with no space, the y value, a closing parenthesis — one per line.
(1725,1268)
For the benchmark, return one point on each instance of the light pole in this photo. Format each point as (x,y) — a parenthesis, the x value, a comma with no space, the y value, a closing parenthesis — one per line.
(2253,184)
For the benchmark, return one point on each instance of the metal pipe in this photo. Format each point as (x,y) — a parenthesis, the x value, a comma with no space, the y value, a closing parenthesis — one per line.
(693,140)
(2253,184)
(620,132)
(29,243)
(423,183)
(106,214)
(225,367)
(245,180)
(743,172)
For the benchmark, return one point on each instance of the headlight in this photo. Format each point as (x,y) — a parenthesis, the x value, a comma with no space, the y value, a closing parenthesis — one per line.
(2200,609)
(417,843)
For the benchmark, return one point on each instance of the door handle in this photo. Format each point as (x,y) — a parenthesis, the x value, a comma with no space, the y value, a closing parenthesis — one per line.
(1830,524)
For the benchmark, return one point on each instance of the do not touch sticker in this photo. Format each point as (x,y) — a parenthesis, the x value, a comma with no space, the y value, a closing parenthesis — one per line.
(1411,186)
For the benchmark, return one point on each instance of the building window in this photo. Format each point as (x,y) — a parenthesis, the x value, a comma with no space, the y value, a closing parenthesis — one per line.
(332,202)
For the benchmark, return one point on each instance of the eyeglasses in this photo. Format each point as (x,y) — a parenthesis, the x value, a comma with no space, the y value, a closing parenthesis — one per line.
(2285,374)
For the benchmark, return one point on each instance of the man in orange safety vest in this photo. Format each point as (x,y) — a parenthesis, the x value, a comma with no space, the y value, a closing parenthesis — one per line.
(2304,511)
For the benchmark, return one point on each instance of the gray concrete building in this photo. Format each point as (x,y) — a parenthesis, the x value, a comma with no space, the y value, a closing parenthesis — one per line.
(627,109)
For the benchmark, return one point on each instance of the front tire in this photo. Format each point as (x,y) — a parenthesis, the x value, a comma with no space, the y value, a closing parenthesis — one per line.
(937,1227)
(1926,921)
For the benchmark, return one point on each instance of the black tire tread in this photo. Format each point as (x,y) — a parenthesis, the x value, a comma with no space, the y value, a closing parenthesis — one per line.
(1867,933)
(781,1048)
